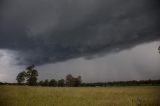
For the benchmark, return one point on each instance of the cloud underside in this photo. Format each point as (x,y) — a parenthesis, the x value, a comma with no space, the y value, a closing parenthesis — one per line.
(52,31)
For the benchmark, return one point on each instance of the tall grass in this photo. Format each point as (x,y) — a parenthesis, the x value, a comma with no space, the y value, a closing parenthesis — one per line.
(48,96)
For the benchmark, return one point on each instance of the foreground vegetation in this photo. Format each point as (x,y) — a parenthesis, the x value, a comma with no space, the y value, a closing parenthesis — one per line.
(68,96)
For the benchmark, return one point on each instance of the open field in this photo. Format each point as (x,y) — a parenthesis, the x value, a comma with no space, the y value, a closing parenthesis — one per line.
(109,96)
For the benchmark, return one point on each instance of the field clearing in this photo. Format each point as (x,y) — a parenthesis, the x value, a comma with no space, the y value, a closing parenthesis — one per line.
(87,96)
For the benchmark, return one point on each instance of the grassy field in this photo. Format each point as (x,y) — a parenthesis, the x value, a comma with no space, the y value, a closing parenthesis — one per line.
(109,96)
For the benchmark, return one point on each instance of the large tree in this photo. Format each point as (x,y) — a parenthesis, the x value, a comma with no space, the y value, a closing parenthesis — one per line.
(31,75)
(21,77)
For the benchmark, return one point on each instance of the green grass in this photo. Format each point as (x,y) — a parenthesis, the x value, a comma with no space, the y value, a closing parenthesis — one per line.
(109,96)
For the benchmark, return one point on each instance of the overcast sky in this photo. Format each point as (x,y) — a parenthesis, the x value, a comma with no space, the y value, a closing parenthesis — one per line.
(101,40)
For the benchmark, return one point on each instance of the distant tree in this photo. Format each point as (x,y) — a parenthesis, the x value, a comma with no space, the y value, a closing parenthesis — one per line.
(53,82)
(21,77)
(1,83)
(31,75)
(73,81)
(41,83)
(69,80)
(61,83)
(46,83)
(77,81)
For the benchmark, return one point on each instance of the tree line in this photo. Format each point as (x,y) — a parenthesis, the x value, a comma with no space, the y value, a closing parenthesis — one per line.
(69,81)
(123,83)
(29,77)
(61,83)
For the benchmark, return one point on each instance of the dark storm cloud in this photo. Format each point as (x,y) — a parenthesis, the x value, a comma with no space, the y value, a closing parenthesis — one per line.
(56,30)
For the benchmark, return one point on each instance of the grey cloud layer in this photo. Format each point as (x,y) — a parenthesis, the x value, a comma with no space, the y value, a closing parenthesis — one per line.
(52,30)
(139,63)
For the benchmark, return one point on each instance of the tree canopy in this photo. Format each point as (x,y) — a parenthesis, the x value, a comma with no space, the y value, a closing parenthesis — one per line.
(21,77)
(30,75)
